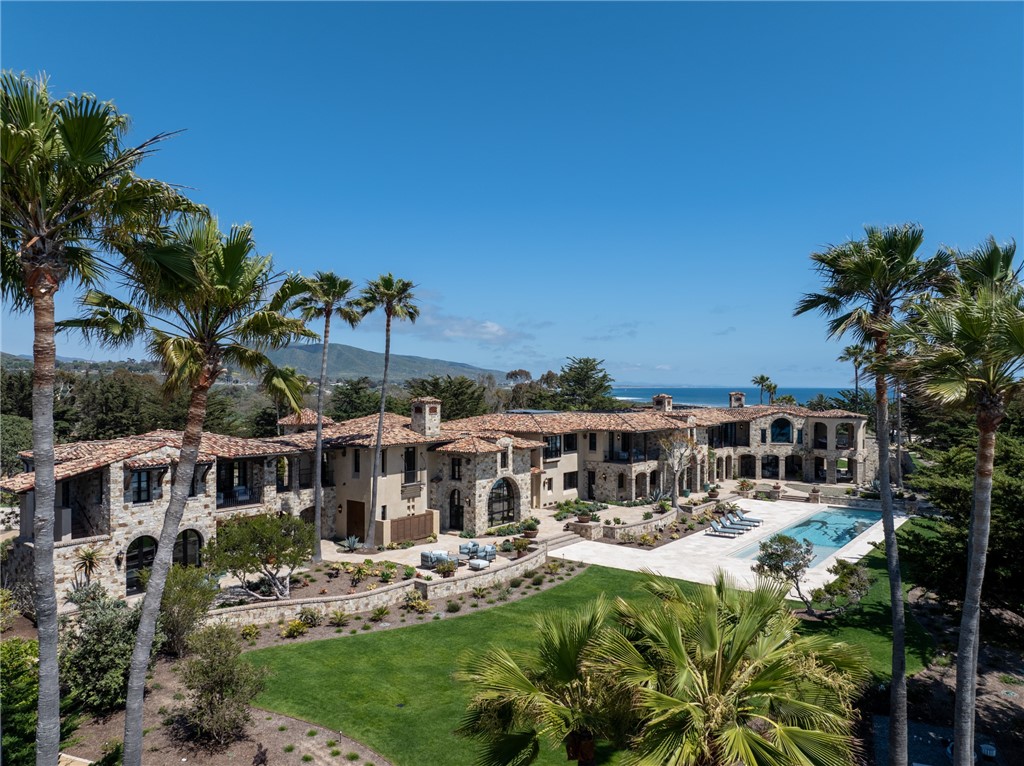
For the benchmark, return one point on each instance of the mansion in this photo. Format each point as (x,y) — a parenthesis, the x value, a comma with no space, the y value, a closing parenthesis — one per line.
(435,476)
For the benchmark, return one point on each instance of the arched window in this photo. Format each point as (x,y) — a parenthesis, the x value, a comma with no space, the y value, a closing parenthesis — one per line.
(140,556)
(455,513)
(187,547)
(782,431)
(501,504)
(844,436)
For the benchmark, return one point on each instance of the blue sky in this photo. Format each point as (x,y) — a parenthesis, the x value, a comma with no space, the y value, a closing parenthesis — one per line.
(641,183)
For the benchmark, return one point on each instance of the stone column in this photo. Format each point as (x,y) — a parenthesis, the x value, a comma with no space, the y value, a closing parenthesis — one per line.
(830,470)
(757,467)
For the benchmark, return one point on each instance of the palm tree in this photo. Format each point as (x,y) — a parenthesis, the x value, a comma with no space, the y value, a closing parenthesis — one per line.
(721,676)
(281,385)
(762,382)
(69,190)
(396,298)
(866,282)
(969,352)
(322,295)
(857,354)
(772,389)
(228,318)
(521,699)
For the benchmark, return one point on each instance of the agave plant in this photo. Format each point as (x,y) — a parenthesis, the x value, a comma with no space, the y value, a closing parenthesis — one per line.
(352,544)
(88,561)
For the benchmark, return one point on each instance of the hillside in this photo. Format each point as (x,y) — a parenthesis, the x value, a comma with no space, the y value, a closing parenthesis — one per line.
(351,362)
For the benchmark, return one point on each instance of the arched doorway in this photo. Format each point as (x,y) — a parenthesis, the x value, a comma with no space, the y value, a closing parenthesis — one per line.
(748,467)
(187,548)
(820,436)
(794,467)
(501,504)
(844,436)
(769,466)
(308,515)
(641,485)
(654,481)
(455,511)
(140,556)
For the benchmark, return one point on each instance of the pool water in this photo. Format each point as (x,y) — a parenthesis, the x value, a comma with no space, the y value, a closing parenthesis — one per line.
(829,530)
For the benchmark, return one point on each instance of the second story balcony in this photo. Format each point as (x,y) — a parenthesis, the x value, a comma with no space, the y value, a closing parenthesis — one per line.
(633,455)
(240,495)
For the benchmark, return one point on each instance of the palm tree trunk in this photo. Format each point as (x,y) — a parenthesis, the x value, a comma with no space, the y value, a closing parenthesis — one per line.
(318,486)
(161,565)
(856,386)
(371,531)
(899,436)
(988,420)
(898,688)
(44,362)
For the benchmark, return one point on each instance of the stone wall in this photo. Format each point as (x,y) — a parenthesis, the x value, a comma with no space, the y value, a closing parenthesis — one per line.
(270,612)
(464,582)
(649,526)
(288,609)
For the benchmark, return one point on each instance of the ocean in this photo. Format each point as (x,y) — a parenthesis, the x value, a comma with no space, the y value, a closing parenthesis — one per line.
(713,396)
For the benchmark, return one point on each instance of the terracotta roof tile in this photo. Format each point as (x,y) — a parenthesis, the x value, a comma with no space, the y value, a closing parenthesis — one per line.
(305,417)
(470,445)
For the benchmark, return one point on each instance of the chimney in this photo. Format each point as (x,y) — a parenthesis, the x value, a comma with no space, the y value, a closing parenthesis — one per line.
(737,399)
(426,416)
(662,403)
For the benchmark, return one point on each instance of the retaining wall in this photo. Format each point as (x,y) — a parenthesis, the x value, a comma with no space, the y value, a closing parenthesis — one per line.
(267,612)
(464,583)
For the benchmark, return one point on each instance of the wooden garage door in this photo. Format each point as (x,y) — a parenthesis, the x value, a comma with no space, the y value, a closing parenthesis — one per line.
(412,527)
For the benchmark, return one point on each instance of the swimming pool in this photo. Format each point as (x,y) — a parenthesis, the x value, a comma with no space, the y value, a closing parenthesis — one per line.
(829,530)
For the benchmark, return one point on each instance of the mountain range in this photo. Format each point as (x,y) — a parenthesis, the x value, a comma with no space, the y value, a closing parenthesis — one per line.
(349,362)
(344,362)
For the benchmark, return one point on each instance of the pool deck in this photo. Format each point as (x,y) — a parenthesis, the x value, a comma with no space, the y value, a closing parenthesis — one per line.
(696,557)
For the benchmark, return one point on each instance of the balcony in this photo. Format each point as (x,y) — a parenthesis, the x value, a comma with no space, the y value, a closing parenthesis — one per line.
(632,456)
(238,496)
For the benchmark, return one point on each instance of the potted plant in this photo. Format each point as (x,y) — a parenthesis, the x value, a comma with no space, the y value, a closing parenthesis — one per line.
(446,568)
(583,515)
(522,545)
(713,492)
(530,528)
(745,487)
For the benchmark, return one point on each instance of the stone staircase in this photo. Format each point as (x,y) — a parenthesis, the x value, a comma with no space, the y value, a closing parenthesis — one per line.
(561,540)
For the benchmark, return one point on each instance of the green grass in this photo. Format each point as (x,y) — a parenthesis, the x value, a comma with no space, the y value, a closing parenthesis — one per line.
(374,686)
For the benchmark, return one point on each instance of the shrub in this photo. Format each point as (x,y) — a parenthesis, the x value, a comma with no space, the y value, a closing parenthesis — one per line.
(515,582)
(408,573)
(338,618)
(379,614)
(648,515)
(504,594)
(188,595)
(250,632)
(506,546)
(446,566)
(311,616)
(553,567)
(220,684)
(19,659)
(538,579)
(8,609)
(95,652)
(521,544)
(294,629)
(387,575)
(453,606)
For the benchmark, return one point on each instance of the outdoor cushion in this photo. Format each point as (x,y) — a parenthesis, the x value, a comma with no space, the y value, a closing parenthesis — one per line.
(469,549)
(479,563)
(488,552)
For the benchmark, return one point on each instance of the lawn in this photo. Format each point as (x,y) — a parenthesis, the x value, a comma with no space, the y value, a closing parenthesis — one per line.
(394,690)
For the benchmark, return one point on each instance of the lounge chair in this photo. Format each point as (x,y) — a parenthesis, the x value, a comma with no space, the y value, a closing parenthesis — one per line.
(744,517)
(721,531)
(469,549)
(738,522)
(487,552)
(734,527)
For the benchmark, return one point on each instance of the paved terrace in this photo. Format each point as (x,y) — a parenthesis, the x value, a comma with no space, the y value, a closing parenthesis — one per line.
(696,557)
